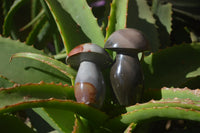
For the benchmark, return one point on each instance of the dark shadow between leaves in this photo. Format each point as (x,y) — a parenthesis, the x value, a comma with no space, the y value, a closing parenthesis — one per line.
(164,36)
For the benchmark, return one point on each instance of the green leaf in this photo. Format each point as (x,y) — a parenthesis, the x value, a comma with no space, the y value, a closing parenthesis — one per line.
(82,109)
(76,13)
(33,21)
(35,8)
(164,14)
(7,26)
(193,73)
(11,124)
(30,92)
(65,69)
(5,82)
(43,95)
(79,126)
(170,67)
(130,128)
(33,91)
(6,6)
(117,18)
(156,110)
(38,32)
(181,93)
(141,18)
(173,102)
(25,70)
(61,120)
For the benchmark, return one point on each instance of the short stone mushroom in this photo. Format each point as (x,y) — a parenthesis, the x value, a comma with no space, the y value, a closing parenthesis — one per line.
(126,75)
(89,59)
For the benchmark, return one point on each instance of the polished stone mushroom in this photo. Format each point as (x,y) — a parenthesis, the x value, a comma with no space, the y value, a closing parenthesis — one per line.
(89,59)
(126,75)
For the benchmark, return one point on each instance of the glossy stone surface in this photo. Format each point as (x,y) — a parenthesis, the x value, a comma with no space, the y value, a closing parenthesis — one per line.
(126,79)
(85,93)
(88,52)
(89,84)
(127,40)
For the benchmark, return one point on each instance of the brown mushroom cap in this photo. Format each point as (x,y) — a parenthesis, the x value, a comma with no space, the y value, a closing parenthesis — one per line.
(127,40)
(88,52)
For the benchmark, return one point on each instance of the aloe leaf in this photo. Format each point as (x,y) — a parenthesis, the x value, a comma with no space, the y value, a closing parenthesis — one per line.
(61,120)
(76,13)
(159,71)
(7,26)
(37,33)
(30,92)
(106,17)
(20,70)
(130,128)
(79,126)
(33,91)
(164,13)
(155,110)
(5,82)
(7,120)
(35,8)
(84,110)
(117,18)
(68,71)
(6,6)
(33,21)
(141,18)
(70,32)
(173,102)
(181,93)
(43,95)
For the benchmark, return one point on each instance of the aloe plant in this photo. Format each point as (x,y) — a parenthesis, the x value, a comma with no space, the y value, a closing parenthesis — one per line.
(34,75)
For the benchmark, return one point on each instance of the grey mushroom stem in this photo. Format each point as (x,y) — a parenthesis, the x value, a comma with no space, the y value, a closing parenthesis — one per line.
(89,84)
(126,78)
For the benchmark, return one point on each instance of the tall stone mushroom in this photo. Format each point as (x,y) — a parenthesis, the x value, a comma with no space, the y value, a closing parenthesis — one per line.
(126,76)
(89,59)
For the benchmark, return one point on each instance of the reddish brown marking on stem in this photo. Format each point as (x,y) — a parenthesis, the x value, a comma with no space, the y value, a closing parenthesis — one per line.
(85,93)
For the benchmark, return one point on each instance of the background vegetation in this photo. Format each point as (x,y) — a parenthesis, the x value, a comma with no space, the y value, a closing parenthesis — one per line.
(36,86)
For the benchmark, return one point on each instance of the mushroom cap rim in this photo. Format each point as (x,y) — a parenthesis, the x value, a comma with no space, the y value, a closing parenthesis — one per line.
(99,59)
(127,39)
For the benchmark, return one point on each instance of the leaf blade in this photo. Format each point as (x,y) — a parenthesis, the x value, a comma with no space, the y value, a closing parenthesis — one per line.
(170,66)
(9,17)
(84,110)
(61,120)
(76,13)
(117,18)
(141,18)
(154,110)
(68,71)
(7,120)
(166,93)
(19,71)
